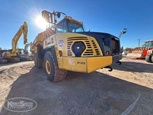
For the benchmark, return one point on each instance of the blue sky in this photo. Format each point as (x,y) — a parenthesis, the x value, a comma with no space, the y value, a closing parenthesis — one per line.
(97,15)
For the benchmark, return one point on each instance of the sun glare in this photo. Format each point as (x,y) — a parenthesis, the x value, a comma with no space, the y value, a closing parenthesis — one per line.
(41,22)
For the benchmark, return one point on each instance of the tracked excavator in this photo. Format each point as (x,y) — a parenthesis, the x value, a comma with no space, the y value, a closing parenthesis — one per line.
(66,46)
(144,52)
(15,54)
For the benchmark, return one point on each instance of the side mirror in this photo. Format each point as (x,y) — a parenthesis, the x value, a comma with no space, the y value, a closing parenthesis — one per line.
(124,31)
(58,14)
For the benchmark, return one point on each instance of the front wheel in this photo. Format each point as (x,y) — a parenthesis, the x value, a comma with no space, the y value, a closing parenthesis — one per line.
(151,58)
(148,58)
(54,74)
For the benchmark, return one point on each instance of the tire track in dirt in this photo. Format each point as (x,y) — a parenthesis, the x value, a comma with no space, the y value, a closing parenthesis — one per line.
(8,76)
(100,92)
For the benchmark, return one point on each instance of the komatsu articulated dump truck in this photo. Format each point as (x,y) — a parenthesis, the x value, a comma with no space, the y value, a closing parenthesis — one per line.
(66,46)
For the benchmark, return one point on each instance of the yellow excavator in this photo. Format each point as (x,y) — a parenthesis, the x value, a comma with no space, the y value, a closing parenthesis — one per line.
(14,54)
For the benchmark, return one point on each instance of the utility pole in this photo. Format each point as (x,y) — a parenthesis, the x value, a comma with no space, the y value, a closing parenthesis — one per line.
(138,42)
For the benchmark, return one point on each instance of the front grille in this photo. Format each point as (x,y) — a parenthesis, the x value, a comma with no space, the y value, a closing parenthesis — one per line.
(92,48)
(115,47)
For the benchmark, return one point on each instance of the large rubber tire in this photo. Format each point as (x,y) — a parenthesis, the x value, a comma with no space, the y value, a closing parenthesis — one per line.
(55,73)
(151,58)
(148,58)
(39,61)
(39,56)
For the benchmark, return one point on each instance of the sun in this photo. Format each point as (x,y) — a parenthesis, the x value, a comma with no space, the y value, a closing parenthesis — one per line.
(41,22)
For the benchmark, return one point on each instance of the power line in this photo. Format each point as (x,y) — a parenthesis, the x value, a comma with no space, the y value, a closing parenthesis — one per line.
(138,42)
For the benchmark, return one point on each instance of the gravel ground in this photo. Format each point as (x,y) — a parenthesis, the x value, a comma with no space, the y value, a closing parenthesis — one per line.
(127,90)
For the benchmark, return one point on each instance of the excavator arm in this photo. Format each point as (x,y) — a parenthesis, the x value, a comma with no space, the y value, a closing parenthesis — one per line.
(23,29)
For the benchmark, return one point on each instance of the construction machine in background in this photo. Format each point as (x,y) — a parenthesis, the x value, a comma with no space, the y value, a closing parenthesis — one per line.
(149,55)
(2,61)
(66,46)
(141,53)
(27,45)
(14,54)
(29,54)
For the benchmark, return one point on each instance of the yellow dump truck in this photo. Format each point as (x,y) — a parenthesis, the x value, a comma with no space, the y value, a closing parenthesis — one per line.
(66,46)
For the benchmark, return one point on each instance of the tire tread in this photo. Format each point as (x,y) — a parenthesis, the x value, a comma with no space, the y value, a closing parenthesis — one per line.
(59,74)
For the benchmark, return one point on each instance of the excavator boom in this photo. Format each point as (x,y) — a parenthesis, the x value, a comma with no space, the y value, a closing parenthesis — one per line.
(23,29)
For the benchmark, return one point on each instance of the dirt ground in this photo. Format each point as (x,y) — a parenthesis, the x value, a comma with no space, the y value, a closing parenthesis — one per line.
(127,90)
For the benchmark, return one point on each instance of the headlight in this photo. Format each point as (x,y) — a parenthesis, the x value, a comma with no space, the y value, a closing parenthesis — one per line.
(78,48)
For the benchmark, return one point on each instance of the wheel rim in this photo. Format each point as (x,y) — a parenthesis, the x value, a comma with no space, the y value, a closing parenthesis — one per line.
(48,67)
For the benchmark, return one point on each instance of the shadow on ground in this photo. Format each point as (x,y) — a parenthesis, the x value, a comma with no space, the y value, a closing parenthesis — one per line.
(7,64)
(11,63)
(80,94)
(134,67)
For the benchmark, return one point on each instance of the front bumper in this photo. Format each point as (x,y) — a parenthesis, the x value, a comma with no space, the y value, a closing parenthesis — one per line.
(117,58)
(87,64)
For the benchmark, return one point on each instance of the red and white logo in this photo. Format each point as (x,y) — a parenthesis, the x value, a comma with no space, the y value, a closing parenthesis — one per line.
(60,43)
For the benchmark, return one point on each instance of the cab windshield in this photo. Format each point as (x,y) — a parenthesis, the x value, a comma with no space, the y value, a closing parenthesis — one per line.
(68,26)
(149,44)
(21,51)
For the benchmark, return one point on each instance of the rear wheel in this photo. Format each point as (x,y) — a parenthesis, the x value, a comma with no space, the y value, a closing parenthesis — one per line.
(54,74)
(148,58)
(39,56)
(39,61)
